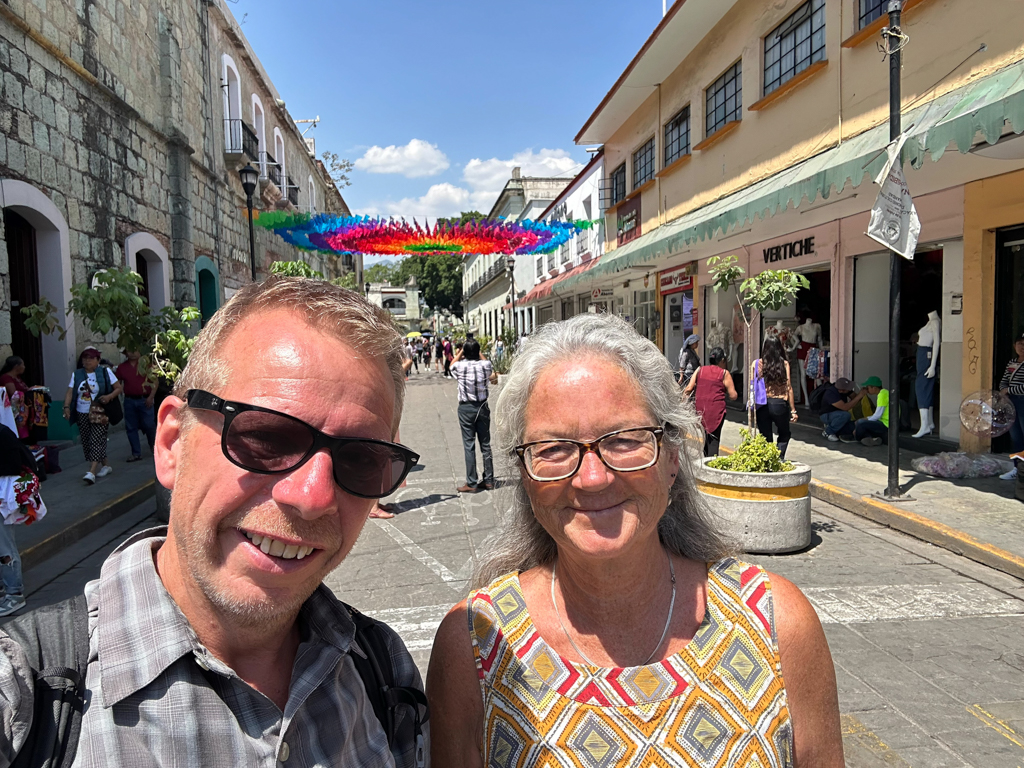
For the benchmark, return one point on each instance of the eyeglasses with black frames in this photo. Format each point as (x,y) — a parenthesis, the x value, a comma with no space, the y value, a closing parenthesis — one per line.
(624,450)
(267,442)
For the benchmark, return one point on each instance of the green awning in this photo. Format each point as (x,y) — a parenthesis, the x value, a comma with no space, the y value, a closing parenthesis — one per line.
(985,106)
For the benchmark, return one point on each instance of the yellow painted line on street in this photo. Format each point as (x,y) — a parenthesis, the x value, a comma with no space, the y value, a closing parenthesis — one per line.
(926,529)
(28,552)
(999,726)
(753,494)
(864,748)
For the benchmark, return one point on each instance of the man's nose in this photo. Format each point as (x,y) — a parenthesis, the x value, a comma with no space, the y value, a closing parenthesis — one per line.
(310,489)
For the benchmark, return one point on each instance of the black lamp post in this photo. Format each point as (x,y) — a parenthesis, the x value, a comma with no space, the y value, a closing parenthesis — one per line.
(510,264)
(250,178)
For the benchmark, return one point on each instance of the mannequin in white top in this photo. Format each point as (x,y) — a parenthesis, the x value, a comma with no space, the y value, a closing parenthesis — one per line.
(929,340)
(809,332)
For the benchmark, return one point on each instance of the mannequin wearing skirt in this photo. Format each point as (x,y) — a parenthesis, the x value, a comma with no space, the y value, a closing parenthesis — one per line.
(929,339)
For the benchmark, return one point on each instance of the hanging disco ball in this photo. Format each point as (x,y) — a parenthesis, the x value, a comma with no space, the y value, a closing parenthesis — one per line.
(987,413)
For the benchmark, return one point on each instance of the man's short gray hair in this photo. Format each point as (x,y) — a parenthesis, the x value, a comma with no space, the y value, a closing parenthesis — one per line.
(686,528)
(338,312)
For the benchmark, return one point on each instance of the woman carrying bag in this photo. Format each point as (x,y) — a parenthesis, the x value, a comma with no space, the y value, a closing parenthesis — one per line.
(95,395)
(20,503)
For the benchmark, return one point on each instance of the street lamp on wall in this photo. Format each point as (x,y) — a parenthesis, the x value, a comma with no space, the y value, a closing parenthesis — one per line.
(250,179)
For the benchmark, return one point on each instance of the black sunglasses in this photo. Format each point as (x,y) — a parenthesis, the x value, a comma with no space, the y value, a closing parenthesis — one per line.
(271,443)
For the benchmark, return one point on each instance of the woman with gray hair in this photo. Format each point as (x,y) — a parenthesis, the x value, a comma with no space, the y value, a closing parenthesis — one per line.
(611,620)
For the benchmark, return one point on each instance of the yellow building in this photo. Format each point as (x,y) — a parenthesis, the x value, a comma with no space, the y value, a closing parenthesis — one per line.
(755,129)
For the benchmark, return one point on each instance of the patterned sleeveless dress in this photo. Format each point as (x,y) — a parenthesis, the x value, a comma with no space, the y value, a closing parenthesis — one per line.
(718,703)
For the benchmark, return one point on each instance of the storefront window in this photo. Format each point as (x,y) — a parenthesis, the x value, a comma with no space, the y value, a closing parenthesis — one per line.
(643,314)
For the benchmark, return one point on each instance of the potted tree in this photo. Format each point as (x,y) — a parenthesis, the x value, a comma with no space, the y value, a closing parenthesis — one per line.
(764,501)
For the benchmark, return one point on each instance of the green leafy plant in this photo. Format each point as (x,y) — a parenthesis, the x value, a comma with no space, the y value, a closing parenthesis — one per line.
(294,269)
(755,454)
(772,289)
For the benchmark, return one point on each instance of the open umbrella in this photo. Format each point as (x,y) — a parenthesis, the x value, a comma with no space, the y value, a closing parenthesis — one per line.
(413,334)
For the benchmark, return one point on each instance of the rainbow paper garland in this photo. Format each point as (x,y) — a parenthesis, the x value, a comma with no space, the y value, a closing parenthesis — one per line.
(386,237)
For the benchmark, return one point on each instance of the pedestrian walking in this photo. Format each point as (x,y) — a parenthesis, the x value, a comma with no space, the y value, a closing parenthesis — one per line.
(773,393)
(1012,385)
(410,355)
(689,360)
(19,394)
(91,388)
(874,429)
(712,383)
(499,349)
(837,404)
(473,375)
(20,502)
(215,641)
(139,394)
(438,353)
(609,614)
(449,355)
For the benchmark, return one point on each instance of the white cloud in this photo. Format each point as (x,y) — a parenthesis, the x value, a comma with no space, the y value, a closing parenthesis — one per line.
(414,160)
(440,200)
(484,179)
(488,177)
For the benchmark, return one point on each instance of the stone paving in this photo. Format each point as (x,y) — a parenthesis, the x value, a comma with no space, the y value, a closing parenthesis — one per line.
(928,646)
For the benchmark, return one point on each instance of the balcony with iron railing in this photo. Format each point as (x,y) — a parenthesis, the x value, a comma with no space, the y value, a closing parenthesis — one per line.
(270,170)
(240,139)
(292,191)
(493,271)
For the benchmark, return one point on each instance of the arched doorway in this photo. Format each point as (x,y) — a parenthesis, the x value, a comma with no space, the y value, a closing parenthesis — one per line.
(207,288)
(147,256)
(39,256)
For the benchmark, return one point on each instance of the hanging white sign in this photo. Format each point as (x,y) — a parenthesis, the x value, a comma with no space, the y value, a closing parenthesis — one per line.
(894,222)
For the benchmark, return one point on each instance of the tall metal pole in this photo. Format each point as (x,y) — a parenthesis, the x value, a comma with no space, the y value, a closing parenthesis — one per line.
(252,239)
(895,260)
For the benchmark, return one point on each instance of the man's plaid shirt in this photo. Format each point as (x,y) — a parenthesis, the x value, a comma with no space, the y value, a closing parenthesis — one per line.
(157,697)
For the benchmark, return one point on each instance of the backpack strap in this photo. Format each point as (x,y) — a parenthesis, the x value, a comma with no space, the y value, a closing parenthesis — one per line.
(55,640)
(378,676)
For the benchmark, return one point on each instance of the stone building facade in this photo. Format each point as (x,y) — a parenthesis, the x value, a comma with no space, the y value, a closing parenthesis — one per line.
(123,124)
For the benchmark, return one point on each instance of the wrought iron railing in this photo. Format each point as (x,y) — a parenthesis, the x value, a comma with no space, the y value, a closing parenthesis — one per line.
(240,139)
(493,271)
(269,168)
(293,191)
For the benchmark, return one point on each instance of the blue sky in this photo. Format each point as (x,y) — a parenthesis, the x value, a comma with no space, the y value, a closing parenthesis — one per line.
(435,102)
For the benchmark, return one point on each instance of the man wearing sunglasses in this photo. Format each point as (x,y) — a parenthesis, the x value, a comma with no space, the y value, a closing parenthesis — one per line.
(215,642)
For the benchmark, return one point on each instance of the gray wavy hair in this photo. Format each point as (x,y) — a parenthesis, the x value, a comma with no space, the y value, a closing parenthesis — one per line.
(687,528)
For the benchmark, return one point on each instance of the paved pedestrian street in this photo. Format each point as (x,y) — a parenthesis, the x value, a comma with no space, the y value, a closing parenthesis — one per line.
(928,646)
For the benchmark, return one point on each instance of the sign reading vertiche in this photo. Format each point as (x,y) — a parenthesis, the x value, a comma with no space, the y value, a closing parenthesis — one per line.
(789,250)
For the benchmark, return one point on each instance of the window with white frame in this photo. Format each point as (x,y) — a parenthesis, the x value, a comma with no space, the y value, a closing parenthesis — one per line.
(583,241)
(677,136)
(724,100)
(259,124)
(231,88)
(643,164)
(564,252)
(794,45)
(312,195)
(279,158)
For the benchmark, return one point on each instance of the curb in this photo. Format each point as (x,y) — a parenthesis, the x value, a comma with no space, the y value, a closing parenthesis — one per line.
(918,526)
(47,548)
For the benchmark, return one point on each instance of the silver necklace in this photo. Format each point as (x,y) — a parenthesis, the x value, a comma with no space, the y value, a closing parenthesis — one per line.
(664,632)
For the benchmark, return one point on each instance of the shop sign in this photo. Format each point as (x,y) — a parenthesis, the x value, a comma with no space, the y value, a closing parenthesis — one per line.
(627,221)
(788,250)
(599,293)
(676,279)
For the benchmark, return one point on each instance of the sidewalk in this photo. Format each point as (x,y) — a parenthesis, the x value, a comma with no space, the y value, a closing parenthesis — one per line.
(74,509)
(979,519)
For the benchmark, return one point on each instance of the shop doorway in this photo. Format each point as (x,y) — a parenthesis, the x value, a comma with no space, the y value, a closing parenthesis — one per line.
(1009,308)
(207,295)
(921,293)
(808,346)
(677,311)
(24,271)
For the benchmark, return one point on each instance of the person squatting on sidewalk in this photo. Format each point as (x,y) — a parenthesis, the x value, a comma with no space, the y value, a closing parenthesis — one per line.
(215,641)
(837,405)
(473,375)
(139,395)
(91,391)
(874,430)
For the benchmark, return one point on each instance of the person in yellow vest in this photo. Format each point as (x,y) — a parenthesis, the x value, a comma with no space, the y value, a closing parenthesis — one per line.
(874,430)
(611,623)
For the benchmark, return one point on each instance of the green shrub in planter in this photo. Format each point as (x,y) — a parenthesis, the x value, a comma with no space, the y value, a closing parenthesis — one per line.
(755,454)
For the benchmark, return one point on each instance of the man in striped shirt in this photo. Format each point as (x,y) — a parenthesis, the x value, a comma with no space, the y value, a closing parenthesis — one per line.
(473,375)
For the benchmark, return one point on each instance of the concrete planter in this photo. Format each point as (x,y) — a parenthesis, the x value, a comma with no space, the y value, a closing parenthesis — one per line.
(766,513)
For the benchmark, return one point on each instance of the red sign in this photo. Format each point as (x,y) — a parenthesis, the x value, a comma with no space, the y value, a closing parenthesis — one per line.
(675,280)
